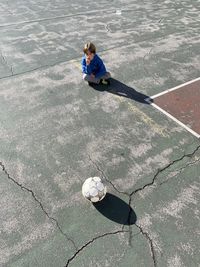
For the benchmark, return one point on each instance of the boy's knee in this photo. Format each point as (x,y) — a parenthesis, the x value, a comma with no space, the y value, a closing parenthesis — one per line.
(85,77)
(108,75)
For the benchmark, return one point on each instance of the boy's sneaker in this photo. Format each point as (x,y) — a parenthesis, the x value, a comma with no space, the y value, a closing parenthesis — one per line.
(104,82)
(91,83)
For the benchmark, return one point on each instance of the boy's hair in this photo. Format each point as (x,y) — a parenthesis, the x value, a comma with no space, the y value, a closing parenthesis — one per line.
(89,47)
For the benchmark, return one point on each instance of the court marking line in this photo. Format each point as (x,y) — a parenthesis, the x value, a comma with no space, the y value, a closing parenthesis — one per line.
(144,117)
(174,88)
(148,99)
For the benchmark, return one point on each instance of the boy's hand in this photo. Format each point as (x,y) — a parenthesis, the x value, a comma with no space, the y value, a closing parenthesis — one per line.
(87,61)
(92,75)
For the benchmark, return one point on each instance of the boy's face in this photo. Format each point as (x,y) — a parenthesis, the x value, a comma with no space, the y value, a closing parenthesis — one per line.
(89,55)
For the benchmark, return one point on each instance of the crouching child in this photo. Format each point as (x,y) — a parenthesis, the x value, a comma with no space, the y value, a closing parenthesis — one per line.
(93,68)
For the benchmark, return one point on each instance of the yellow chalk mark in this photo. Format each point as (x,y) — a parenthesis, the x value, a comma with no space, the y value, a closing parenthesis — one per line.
(149,121)
(76,64)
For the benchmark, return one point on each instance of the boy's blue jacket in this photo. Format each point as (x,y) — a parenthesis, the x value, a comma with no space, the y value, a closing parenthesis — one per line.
(95,67)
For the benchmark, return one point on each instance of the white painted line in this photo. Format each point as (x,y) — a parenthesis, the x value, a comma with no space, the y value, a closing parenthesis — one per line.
(168,114)
(172,117)
(176,87)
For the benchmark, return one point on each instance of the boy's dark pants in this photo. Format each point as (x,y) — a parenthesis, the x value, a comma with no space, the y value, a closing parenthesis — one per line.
(88,78)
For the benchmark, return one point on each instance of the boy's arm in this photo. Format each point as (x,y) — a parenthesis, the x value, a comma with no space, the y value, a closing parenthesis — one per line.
(101,69)
(85,68)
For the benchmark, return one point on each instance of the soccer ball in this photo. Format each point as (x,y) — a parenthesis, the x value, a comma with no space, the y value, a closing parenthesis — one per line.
(93,189)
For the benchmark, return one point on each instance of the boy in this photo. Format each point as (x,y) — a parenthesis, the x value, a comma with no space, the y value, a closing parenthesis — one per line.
(93,68)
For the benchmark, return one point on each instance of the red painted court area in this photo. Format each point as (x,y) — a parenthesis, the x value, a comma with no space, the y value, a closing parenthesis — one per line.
(183,104)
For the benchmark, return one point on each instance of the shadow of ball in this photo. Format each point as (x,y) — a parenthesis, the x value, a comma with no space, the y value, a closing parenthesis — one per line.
(115,209)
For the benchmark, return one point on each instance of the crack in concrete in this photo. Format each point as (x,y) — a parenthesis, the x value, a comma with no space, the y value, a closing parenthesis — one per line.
(6,9)
(58,63)
(148,53)
(150,184)
(107,180)
(60,17)
(75,58)
(31,70)
(40,204)
(146,235)
(129,45)
(129,223)
(163,169)
(121,192)
(10,67)
(107,27)
(153,254)
(160,20)
(180,170)
(90,242)
(145,68)
(154,178)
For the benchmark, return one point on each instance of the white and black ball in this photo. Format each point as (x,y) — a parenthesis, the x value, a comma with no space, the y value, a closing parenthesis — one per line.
(93,189)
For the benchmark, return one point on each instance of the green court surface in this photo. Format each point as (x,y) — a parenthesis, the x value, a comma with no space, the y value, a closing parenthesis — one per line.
(56,131)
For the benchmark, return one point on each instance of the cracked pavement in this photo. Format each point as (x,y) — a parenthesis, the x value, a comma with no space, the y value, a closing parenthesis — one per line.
(55,132)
